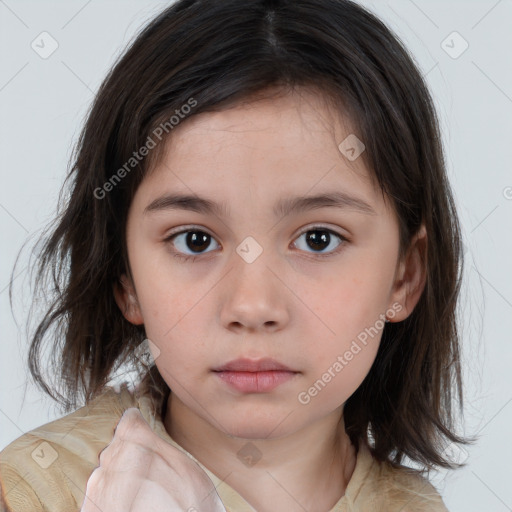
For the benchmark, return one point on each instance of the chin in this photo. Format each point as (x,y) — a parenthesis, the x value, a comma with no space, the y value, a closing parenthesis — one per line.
(255,427)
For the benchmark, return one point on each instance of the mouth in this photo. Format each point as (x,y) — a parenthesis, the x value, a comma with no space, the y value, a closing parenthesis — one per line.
(250,365)
(250,376)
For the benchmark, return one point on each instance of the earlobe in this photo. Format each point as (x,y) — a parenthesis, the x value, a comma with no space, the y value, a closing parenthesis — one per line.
(411,277)
(126,299)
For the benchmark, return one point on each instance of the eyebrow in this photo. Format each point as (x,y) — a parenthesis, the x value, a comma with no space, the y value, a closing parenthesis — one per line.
(282,208)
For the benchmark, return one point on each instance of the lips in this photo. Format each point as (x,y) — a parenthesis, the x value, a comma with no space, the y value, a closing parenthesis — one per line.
(249,376)
(251,365)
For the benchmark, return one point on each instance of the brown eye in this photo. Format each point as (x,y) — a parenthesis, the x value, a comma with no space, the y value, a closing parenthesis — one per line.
(318,239)
(190,243)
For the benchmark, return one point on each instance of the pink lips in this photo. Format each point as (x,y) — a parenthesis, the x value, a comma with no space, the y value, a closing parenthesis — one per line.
(250,365)
(249,376)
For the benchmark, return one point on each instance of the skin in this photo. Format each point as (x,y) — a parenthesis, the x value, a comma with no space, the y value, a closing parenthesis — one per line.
(290,303)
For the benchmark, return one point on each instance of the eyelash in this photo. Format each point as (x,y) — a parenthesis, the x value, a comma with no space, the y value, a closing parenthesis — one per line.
(189,257)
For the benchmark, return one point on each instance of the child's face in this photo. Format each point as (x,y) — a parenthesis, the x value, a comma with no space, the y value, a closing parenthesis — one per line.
(320,316)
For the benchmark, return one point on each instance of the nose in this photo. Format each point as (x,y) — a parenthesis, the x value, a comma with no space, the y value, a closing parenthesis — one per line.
(254,298)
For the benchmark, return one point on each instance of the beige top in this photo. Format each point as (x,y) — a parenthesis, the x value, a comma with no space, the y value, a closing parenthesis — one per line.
(47,469)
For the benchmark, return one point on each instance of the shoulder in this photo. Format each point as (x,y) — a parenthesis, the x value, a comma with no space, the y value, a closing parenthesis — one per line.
(384,488)
(48,467)
(408,491)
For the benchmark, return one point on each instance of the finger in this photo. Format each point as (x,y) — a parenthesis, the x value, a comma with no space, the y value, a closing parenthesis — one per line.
(128,447)
(130,423)
(133,428)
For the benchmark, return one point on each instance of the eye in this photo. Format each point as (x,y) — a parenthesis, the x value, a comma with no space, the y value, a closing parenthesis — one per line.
(319,238)
(193,240)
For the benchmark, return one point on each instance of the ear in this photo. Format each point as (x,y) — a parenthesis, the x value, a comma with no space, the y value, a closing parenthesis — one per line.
(126,299)
(410,278)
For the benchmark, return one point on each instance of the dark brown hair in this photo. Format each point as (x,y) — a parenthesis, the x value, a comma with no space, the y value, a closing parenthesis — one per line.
(208,55)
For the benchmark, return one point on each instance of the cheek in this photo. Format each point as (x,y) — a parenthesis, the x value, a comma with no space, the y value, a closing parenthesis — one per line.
(172,324)
(343,359)
(349,319)
(165,294)
(172,315)
(350,303)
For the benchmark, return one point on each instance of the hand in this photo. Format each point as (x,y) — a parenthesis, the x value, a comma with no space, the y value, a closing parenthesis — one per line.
(139,472)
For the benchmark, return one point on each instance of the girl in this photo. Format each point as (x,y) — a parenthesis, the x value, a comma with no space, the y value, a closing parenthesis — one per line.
(261,225)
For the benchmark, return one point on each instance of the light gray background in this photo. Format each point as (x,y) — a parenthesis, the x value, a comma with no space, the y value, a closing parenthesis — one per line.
(43,102)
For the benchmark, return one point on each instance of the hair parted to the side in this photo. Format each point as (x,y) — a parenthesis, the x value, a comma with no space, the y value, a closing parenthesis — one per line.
(212,54)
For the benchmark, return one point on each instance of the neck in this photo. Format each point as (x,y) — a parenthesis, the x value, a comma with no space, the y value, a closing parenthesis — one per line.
(307,469)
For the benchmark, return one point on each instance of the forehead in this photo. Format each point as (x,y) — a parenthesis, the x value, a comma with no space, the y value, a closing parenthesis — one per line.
(269,120)
(285,143)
